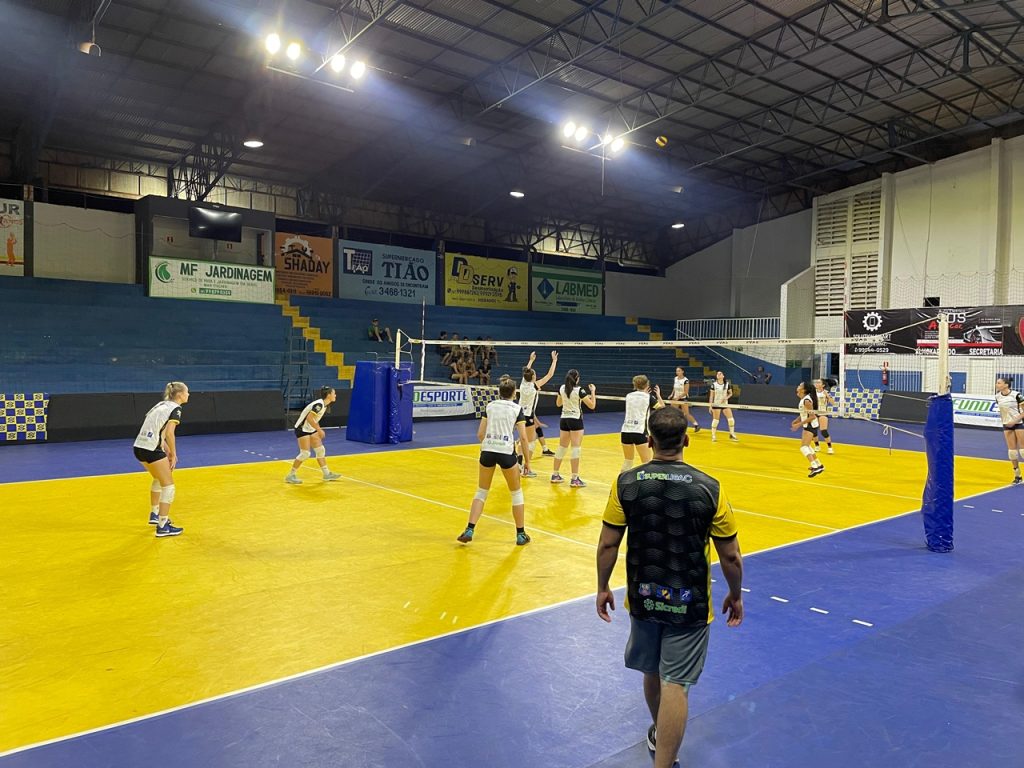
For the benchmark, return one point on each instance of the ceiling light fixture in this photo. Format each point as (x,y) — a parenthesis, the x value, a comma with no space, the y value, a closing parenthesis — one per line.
(252,143)
(293,51)
(518,194)
(581,133)
(358,70)
(619,144)
(338,62)
(273,43)
(569,129)
(678,225)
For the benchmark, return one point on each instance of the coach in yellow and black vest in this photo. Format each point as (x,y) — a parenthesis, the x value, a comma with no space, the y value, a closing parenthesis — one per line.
(673,512)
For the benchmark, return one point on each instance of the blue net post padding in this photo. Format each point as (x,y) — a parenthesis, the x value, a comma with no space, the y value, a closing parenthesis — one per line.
(937,503)
(400,403)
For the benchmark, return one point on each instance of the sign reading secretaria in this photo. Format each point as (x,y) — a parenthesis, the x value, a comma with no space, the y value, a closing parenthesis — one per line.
(210,281)
(973,331)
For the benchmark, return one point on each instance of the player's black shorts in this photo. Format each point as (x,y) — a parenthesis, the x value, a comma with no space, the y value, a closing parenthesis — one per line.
(570,425)
(147,456)
(632,438)
(1011,427)
(529,421)
(812,430)
(503,460)
(300,433)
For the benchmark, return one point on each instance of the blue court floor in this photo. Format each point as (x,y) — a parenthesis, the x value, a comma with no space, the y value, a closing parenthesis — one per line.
(859,648)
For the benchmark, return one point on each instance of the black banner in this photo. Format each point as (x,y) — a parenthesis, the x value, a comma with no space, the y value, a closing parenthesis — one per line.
(974,331)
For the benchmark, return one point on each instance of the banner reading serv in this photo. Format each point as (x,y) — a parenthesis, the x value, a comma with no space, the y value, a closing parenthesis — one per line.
(375,272)
(210,280)
(474,281)
(561,289)
(12,237)
(304,265)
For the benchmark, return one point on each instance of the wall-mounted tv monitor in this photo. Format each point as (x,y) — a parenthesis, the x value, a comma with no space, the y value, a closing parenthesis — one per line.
(215,225)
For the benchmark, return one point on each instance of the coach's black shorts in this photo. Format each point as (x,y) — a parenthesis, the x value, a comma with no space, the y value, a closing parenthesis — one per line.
(503,460)
(570,425)
(632,438)
(147,456)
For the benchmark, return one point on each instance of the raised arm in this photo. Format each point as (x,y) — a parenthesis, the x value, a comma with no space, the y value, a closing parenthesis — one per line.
(591,400)
(551,371)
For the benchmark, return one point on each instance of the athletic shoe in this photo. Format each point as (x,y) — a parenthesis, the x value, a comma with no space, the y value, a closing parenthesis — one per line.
(714,439)
(546,452)
(696,427)
(466,537)
(154,518)
(1017,480)
(293,480)
(522,538)
(815,471)
(529,473)
(167,530)
(557,478)
(734,439)
(331,476)
(831,452)
(577,482)
(652,738)
(816,448)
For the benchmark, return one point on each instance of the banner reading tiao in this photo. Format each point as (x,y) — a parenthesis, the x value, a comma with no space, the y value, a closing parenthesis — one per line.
(12,237)
(475,281)
(374,272)
(304,265)
(561,289)
(210,280)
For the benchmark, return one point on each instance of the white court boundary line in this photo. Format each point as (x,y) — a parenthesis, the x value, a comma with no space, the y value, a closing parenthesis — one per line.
(346,662)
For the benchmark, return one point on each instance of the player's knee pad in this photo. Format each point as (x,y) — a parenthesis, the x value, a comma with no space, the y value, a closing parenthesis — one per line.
(560,452)
(1020,455)
(517,498)
(806,450)
(1013,455)
(824,433)
(714,423)
(732,423)
(481,494)
(155,486)
(576,451)
(303,455)
(540,433)
(167,494)
(319,451)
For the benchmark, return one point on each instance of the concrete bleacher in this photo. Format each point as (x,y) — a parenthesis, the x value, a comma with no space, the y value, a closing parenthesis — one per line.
(63,336)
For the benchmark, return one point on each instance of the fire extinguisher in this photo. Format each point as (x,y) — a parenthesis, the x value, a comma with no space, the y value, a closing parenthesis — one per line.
(885,374)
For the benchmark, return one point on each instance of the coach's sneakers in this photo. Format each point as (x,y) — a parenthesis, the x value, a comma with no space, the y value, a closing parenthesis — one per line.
(528,473)
(329,476)
(652,743)
(291,478)
(557,478)
(577,482)
(168,530)
(154,518)
(815,471)
(466,536)
(522,538)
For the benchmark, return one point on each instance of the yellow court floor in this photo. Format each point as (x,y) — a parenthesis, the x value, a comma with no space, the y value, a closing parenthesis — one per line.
(102,622)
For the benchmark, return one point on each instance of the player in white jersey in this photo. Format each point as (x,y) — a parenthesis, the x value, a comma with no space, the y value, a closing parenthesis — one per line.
(571,398)
(528,389)
(718,402)
(825,399)
(311,435)
(807,423)
(156,448)
(1011,413)
(499,432)
(681,391)
(633,436)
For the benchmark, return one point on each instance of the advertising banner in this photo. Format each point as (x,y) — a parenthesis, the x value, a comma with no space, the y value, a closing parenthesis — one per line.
(474,281)
(304,265)
(977,411)
(441,401)
(23,416)
(374,272)
(974,331)
(12,237)
(210,280)
(560,289)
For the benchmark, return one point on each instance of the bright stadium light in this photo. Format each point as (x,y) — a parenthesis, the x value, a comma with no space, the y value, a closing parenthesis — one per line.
(581,133)
(678,225)
(518,194)
(358,70)
(338,62)
(253,142)
(569,129)
(273,43)
(618,145)
(293,51)
(606,139)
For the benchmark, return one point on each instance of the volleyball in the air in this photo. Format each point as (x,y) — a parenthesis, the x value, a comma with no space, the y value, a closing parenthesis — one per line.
(661,141)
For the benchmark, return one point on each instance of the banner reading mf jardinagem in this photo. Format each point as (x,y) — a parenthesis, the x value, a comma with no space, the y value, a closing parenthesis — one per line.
(474,281)
(561,289)
(210,280)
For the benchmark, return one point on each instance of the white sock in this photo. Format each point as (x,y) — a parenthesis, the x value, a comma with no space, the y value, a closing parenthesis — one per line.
(163,521)
(155,509)
(325,470)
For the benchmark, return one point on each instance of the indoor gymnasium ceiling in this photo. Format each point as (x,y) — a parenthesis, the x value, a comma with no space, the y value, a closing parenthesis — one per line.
(763,103)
